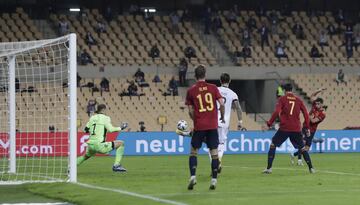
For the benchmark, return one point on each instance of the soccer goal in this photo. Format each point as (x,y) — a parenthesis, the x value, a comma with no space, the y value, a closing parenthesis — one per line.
(38,126)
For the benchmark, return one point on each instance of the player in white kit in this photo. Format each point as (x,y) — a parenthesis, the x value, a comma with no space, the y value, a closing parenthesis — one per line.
(231,101)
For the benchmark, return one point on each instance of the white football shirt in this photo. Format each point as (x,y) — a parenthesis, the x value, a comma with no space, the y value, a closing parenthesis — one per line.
(229,96)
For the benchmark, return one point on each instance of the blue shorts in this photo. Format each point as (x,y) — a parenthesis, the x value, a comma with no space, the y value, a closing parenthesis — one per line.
(295,138)
(210,137)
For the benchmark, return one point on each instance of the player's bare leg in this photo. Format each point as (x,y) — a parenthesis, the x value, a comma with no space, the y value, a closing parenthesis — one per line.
(192,167)
(119,146)
(271,157)
(307,158)
(214,167)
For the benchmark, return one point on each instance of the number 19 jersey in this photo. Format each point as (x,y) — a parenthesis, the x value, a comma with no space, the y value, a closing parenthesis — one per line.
(229,96)
(203,96)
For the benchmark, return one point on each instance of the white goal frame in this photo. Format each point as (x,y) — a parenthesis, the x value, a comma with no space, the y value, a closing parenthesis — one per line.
(72,103)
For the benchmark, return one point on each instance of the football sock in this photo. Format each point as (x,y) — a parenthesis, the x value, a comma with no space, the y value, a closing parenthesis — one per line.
(192,165)
(80,160)
(119,155)
(307,159)
(214,167)
(271,156)
(221,150)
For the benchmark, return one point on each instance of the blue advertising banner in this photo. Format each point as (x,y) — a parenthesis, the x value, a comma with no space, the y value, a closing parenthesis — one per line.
(250,142)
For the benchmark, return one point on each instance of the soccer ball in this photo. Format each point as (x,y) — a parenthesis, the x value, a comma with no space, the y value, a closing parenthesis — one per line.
(182,125)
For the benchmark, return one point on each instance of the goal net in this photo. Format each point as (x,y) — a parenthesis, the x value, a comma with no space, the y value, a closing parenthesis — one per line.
(38,110)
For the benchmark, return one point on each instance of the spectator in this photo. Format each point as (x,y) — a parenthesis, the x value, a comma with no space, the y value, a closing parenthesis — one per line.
(264,35)
(133,9)
(139,76)
(90,40)
(340,78)
(339,17)
(186,16)
(348,33)
(251,23)
(315,53)
(156,79)
(246,38)
(280,51)
(274,19)
(246,52)
(142,126)
(207,20)
(82,15)
(236,10)
(323,39)
(183,67)
(260,11)
(175,19)
(100,26)
(63,27)
(356,41)
(190,52)
(105,85)
(78,79)
(90,109)
(17,85)
(85,58)
(51,128)
(331,29)
(108,14)
(173,87)
(132,89)
(217,23)
(298,31)
(231,17)
(349,49)
(148,16)
(154,52)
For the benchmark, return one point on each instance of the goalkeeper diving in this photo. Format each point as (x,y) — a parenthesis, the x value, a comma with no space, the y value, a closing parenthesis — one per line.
(98,125)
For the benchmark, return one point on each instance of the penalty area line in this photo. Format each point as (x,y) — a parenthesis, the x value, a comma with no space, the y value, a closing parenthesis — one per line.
(294,169)
(120,191)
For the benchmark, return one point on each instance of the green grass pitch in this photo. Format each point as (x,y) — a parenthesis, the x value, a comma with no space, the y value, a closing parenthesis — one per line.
(241,182)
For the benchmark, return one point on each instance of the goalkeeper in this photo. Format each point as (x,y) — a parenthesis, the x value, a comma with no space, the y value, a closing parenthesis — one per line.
(98,125)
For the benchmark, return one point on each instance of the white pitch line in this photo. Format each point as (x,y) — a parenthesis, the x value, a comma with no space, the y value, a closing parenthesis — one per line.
(132,194)
(293,169)
(258,192)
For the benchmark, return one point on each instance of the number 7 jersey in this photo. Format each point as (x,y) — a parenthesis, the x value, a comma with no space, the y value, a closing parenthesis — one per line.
(288,108)
(203,96)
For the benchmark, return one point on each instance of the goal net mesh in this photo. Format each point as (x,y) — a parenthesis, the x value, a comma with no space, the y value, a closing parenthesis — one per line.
(42,110)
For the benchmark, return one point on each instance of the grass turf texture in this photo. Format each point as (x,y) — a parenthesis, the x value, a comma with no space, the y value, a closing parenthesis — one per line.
(241,181)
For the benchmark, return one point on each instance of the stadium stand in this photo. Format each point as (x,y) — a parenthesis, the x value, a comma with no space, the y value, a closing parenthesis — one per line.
(145,108)
(297,50)
(129,38)
(18,26)
(343,110)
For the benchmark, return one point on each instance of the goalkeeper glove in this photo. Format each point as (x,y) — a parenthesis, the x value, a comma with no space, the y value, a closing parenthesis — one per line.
(184,133)
(124,125)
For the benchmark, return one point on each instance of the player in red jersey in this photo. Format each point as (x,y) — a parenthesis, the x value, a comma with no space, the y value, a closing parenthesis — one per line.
(288,108)
(201,100)
(317,115)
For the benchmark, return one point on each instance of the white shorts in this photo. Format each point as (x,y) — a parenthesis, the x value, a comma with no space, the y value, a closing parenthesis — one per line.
(223,132)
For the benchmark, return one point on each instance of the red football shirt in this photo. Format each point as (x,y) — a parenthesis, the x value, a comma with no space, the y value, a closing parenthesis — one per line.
(288,108)
(316,114)
(203,96)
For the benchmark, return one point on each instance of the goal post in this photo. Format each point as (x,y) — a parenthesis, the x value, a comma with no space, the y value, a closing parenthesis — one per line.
(38,110)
